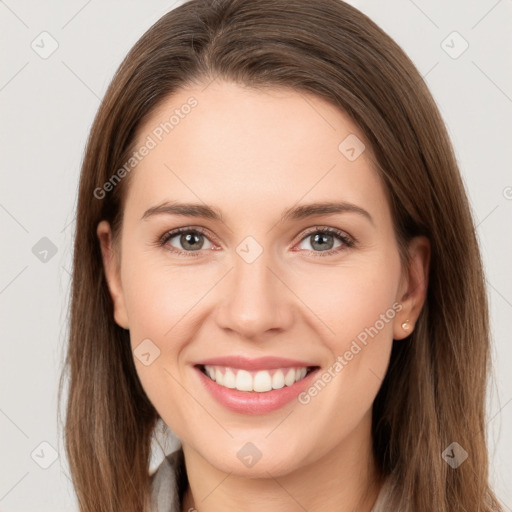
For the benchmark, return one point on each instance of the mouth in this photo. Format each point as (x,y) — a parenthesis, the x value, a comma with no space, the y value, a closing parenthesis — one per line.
(261,381)
(258,385)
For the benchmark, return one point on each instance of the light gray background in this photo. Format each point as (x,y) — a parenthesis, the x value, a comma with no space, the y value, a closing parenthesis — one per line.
(47,107)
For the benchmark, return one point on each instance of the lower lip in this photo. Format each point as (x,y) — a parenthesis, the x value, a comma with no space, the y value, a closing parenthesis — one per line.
(253,402)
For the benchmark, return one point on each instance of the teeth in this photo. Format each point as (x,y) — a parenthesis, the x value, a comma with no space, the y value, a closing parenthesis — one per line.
(261,381)
(301,374)
(290,377)
(278,380)
(229,379)
(243,380)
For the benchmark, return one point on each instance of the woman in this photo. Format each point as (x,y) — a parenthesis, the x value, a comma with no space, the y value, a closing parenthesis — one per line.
(275,257)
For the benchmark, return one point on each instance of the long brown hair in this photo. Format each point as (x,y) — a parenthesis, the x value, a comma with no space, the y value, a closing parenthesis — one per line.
(434,391)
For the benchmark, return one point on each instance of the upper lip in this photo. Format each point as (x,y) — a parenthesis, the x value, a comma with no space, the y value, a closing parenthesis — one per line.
(259,363)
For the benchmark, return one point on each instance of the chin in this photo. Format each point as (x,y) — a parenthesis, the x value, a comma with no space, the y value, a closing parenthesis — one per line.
(255,460)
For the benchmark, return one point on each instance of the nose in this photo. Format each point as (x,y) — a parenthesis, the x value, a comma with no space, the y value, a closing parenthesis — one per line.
(255,300)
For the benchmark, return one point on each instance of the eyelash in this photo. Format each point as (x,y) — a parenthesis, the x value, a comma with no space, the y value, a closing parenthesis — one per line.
(348,242)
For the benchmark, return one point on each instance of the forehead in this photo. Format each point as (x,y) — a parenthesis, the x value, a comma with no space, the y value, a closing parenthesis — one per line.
(251,151)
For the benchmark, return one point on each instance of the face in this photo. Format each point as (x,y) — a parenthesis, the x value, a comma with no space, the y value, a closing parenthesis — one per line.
(256,271)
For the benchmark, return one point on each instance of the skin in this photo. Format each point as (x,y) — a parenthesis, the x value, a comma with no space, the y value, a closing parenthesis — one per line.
(252,154)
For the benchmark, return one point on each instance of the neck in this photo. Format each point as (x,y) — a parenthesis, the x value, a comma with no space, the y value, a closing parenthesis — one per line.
(345,479)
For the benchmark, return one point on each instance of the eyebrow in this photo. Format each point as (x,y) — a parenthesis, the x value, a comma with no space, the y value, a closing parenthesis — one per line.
(293,213)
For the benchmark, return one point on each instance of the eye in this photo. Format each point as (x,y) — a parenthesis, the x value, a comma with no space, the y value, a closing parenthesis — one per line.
(186,241)
(323,240)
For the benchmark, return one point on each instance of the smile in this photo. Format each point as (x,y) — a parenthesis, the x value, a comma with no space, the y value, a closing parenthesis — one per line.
(254,385)
(260,381)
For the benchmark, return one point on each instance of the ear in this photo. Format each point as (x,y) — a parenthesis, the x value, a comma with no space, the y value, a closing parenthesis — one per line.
(112,270)
(413,286)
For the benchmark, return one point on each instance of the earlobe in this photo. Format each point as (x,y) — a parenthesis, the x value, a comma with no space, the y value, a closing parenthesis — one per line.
(112,273)
(414,291)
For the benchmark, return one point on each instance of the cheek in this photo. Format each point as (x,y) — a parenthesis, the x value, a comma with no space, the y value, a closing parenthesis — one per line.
(359,306)
(351,299)
(159,297)
(160,307)
(163,303)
